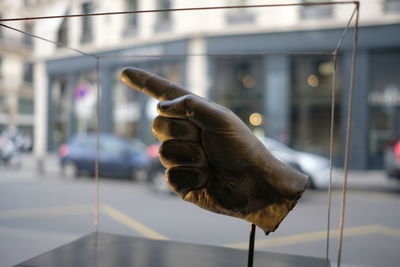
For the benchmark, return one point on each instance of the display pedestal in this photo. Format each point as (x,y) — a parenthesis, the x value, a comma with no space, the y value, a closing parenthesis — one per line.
(110,250)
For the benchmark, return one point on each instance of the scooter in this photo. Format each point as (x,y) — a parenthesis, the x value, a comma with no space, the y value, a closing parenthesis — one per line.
(9,153)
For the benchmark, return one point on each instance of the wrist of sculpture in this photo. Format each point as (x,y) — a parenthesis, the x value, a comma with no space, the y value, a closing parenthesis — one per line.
(268,218)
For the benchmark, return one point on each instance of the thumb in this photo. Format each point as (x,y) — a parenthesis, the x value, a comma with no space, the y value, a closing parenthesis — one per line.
(203,113)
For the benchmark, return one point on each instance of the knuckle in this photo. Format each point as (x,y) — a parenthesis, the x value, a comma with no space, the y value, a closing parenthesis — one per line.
(159,124)
(189,102)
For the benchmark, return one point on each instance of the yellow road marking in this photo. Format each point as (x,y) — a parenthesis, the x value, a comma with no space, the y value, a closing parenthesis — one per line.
(150,233)
(131,223)
(46,211)
(317,236)
(82,209)
(389,231)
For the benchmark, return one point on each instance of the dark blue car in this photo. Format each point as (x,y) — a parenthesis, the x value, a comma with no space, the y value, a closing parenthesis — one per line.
(117,157)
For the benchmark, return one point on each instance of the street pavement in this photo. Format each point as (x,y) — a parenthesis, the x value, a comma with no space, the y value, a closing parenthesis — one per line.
(39,212)
(357,179)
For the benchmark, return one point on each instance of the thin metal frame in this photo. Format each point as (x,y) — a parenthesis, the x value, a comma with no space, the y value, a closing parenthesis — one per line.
(333,54)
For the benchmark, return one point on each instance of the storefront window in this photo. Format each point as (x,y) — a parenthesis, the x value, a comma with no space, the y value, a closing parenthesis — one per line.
(60,110)
(28,71)
(127,110)
(240,15)
(384,102)
(62,34)
(239,86)
(73,108)
(131,20)
(163,19)
(87,23)
(25,106)
(85,98)
(391,6)
(311,105)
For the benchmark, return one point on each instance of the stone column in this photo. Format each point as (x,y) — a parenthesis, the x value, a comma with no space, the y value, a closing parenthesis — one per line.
(197,78)
(40,114)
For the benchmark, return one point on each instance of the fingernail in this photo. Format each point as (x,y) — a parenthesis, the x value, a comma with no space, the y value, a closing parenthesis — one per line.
(134,77)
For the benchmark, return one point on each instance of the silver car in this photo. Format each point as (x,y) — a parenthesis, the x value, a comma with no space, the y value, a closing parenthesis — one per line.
(314,166)
(391,158)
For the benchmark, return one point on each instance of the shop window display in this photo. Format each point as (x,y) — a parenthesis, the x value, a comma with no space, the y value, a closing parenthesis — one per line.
(239,86)
(62,104)
(311,104)
(384,103)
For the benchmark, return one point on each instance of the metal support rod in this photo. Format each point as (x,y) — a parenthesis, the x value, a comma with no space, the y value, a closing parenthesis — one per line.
(251,245)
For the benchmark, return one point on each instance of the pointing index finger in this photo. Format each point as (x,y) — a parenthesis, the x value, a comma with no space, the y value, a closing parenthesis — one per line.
(151,84)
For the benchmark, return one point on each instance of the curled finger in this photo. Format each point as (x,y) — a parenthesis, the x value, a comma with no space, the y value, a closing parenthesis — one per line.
(179,129)
(178,153)
(184,179)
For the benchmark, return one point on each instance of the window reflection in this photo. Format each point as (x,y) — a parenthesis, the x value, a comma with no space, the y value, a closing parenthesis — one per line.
(384,103)
(239,86)
(311,104)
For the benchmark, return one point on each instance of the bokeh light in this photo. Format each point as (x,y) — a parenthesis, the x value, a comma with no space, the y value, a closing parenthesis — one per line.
(313,80)
(256,119)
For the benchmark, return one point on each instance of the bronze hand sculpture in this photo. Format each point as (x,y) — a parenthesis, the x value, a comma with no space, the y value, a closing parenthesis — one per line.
(213,159)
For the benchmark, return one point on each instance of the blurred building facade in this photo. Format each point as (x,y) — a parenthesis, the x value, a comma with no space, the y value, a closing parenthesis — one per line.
(265,79)
(16,72)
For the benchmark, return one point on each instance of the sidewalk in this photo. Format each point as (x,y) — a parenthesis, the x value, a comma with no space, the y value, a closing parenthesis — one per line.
(51,165)
(29,168)
(366,180)
(357,180)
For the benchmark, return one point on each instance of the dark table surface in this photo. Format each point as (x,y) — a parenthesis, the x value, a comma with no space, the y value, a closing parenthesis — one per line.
(110,250)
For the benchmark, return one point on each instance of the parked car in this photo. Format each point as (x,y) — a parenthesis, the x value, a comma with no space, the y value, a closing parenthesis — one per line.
(314,166)
(155,174)
(117,157)
(391,158)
